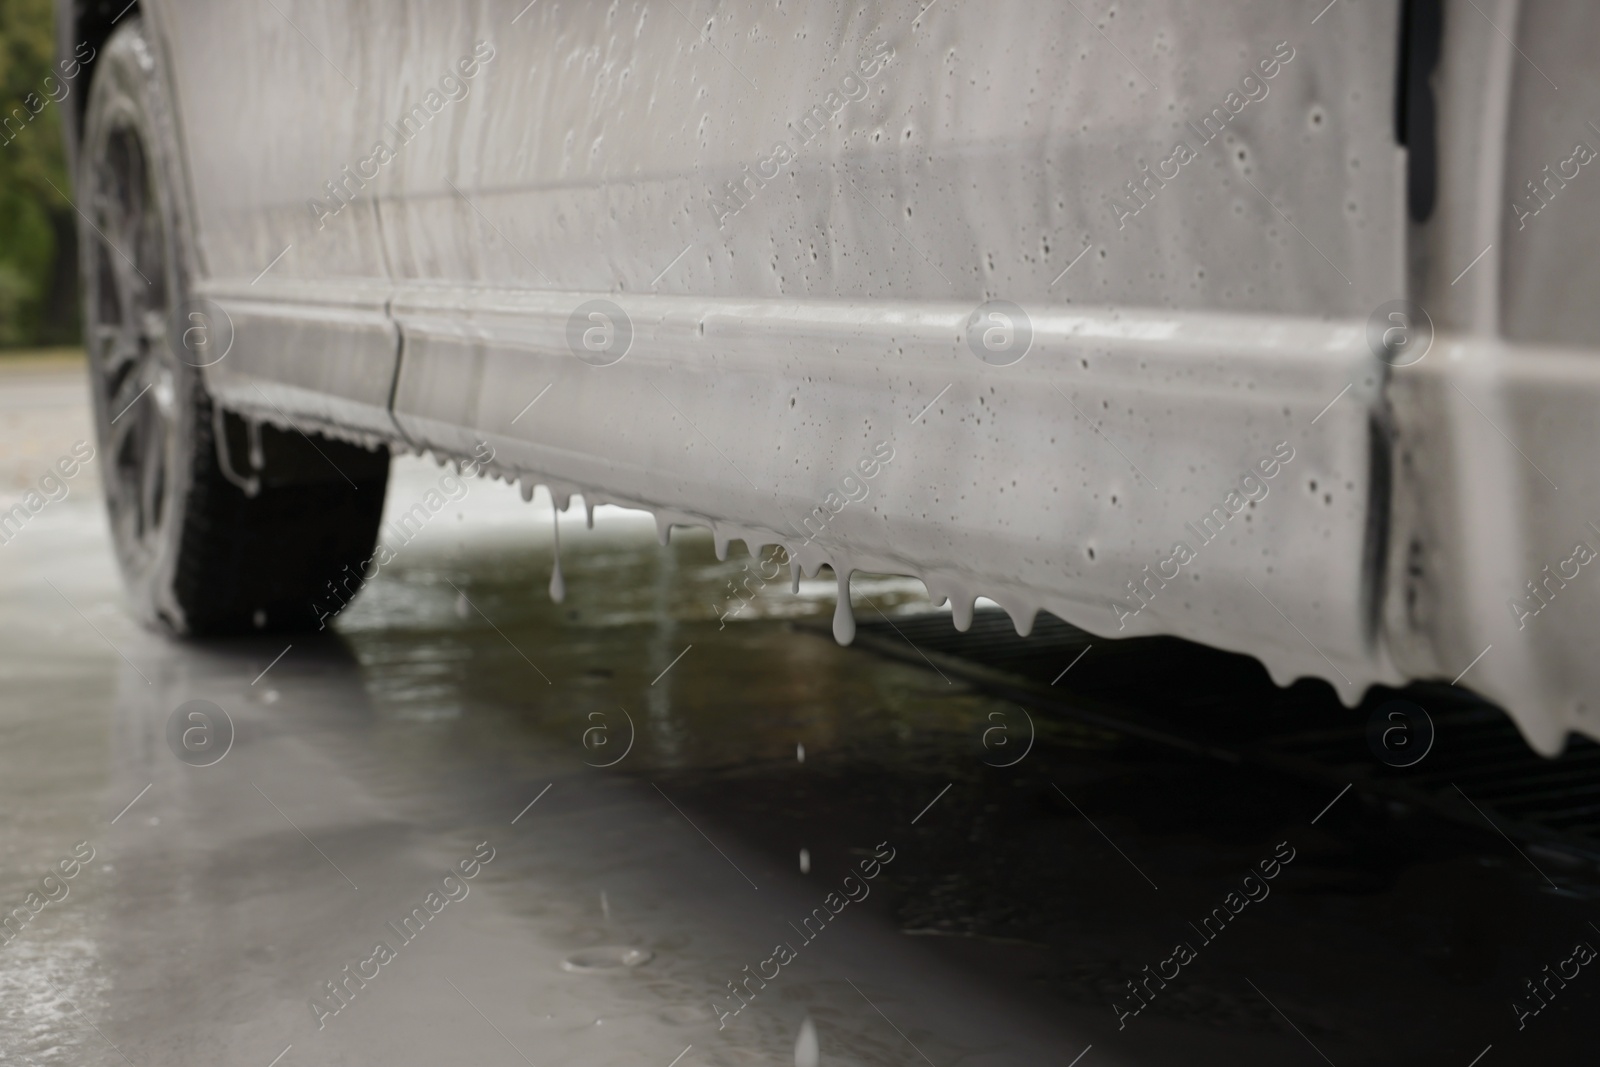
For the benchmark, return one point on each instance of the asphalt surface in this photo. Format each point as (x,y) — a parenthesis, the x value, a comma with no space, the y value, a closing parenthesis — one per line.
(663,795)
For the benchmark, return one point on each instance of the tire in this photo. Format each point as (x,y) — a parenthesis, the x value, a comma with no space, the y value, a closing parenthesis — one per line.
(204,550)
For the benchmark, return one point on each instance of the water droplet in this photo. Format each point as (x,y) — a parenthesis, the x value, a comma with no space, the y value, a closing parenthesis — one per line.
(805,861)
(806,1051)
(800,752)
(258,457)
(558,584)
(463,606)
(605,906)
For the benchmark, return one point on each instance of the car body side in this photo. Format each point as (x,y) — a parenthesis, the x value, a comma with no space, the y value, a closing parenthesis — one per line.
(800,214)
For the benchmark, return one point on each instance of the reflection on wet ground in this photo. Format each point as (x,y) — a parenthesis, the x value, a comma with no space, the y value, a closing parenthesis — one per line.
(690,829)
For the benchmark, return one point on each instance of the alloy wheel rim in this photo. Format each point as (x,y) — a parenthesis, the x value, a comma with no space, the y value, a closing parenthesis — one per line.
(137,376)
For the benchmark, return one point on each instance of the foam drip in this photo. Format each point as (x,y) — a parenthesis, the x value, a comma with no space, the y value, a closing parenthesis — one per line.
(961,610)
(558,584)
(807,558)
(844,616)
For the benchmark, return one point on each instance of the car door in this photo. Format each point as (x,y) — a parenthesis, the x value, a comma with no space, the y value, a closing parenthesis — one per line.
(1065,280)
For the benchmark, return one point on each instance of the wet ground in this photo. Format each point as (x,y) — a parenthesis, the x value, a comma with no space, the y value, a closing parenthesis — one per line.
(673,804)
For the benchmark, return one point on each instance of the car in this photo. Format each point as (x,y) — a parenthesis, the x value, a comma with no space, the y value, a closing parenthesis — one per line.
(1251,323)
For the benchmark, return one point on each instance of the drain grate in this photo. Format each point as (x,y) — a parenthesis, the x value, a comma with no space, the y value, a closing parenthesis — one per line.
(1176,693)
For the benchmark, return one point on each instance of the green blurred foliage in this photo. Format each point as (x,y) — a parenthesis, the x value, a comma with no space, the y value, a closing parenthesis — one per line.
(35,220)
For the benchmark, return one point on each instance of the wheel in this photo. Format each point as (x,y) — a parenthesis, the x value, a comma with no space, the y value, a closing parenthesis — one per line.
(203,548)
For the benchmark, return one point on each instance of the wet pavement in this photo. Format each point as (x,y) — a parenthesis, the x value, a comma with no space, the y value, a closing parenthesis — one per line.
(656,824)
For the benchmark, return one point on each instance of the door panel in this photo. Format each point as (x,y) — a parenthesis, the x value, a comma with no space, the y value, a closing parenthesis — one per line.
(796,220)
(973,151)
